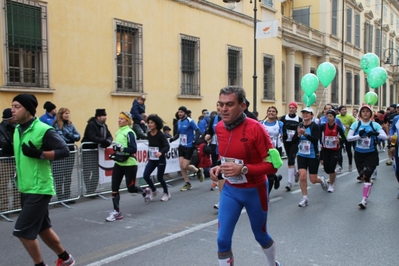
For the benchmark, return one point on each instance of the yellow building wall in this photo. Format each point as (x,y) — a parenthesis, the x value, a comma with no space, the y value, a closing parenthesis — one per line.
(82,57)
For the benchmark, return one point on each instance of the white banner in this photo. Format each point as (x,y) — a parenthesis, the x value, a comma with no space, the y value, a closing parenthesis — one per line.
(106,164)
(266,29)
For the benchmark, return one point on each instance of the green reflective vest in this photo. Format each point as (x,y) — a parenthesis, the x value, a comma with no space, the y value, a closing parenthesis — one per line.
(121,138)
(34,175)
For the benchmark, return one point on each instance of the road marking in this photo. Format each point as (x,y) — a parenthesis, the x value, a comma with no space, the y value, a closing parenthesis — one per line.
(153,244)
(276,199)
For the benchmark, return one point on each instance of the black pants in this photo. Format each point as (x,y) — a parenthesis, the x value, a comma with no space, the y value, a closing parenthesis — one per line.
(62,173)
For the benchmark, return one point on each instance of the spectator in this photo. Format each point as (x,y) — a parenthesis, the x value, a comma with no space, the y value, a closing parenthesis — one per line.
(7,166)
(35,145)
(203,123)
(96,131)
(49,116)
(166,132)
(139,117)
(62,169)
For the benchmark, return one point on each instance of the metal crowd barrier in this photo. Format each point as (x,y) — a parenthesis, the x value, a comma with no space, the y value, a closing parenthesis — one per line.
(74,177)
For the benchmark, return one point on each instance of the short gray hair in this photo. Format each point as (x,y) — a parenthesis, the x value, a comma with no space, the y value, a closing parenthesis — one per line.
(237,90)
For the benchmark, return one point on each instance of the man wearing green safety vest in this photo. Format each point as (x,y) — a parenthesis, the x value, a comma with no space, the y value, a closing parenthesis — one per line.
(35,144)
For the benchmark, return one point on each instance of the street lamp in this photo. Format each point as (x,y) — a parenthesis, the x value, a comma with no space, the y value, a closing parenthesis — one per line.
(231,4)
(391,52)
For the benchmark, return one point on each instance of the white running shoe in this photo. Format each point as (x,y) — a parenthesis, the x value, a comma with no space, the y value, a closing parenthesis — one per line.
(338,170)
(330,188)
(288,186)
(216,206)
(374,175)
(147,195)
(113,216)
(324,184)
(303,203)
(363,204)
(350,168)
(165,197)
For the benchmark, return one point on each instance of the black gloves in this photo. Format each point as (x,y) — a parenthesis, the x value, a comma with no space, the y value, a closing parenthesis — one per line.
(171,140)
(117,147)
(362,133)
(372,133)
(31,150)
(105,143)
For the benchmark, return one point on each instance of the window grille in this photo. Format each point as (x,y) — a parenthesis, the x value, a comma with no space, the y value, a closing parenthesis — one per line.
(129,57)
(268,78)
(368,37)
(26,44)
(234,66)
(378,42)
(190,74)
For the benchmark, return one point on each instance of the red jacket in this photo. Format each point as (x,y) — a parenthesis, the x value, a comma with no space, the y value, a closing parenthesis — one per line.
(205,160)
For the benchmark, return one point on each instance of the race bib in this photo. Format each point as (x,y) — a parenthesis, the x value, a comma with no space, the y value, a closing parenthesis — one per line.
(241,179)
(290,134)
(152,151)
(183,139)
(304,147)
(363,143)
(214,139)
(329,142)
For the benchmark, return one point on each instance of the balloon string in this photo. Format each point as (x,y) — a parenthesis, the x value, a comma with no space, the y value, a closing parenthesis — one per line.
(322,97)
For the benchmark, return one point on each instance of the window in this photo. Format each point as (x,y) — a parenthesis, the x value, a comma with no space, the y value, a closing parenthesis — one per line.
(334,22)
(335,88)
(378,42)
(129,57)
(283,82)
(302,16)
(384,42)
(385,12)
(190,70)
(391,93)
(384,94)
(366,85)
(297,85)
(368,37)
(357,30)
(268,2)
(368,2)
(268,78)
(349,25)
(378,7)
(348,87)
(234,66)
(357,90)
(26,44)
(397,23)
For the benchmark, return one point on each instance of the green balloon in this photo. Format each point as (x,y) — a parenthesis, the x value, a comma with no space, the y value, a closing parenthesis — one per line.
(309,83)
(309,100)
(369,61)
(371,98)
(326,73)
(377,77)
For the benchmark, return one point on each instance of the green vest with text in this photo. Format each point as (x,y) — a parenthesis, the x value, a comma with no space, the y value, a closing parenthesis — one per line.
(33,175)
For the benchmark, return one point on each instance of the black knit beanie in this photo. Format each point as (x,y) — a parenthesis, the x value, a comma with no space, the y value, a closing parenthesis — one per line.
(28,101)
(49,106)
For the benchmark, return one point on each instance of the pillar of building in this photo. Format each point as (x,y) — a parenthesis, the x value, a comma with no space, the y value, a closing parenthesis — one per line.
(306,63)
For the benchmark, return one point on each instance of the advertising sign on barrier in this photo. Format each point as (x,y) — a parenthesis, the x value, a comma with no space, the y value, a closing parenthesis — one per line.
(106,164)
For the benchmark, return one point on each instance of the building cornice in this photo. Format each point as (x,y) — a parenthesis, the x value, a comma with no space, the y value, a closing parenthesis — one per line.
(368,14)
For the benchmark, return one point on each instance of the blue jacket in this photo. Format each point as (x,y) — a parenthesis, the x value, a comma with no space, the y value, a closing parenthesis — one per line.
(136,111)
(203,124)
(47,119)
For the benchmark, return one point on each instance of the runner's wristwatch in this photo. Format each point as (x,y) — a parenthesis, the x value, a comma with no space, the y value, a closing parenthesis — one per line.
(244,170)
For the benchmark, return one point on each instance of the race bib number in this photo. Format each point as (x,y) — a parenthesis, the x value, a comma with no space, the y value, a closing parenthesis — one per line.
(290,134)
(183,139)
(152,152)
(330,142)
(304,147)
(241,179)
(363,143)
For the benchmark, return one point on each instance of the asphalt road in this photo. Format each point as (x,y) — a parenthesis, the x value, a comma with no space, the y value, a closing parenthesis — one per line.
(330,231)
